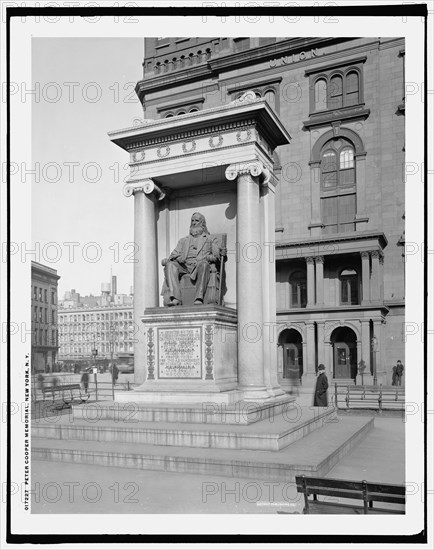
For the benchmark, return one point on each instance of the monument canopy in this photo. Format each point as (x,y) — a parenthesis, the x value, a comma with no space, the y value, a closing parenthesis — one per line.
(195,148)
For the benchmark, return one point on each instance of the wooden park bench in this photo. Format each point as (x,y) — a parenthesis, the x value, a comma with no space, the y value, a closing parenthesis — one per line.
(364,491)
(381,397)
(68,393)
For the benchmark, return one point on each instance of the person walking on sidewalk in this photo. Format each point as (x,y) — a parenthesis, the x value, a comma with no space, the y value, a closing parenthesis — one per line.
(85,381)
(322,384)
(394,375)
(115,374)
(399,370)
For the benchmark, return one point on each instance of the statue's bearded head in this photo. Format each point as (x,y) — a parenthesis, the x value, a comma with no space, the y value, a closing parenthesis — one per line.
(198,225)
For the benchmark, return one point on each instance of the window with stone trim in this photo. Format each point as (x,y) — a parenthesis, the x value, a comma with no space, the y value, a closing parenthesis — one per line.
(338,186)
(268,92)
(298,288)
(349,283)
(181,110)
(336,86)
(336,90)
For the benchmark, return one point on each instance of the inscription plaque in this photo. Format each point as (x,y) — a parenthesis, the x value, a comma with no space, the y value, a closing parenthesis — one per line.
(180,352)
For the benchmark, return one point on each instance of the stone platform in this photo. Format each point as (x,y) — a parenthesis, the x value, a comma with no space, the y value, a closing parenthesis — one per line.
(260,442)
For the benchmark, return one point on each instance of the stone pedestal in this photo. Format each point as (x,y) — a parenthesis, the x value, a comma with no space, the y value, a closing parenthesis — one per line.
(191,354)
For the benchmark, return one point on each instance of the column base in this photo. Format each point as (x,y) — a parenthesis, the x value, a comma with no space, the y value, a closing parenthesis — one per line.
(275,391)
(254,393)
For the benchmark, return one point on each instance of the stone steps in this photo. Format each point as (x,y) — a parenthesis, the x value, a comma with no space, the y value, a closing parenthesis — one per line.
(205,413)
(314,455)
(271,434)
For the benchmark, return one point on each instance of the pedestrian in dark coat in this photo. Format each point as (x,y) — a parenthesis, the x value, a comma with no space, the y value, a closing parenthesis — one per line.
(115,373)
(399,370)
(322,384)
(85,381)
(394,376)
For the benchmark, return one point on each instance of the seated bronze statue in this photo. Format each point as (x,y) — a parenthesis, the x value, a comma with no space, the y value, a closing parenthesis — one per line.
(193,272)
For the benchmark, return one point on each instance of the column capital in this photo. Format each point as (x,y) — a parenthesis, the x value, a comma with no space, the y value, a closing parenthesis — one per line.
(319,259)
(375,254)
(146,186)
(364,254)
(309,260)
(254,167)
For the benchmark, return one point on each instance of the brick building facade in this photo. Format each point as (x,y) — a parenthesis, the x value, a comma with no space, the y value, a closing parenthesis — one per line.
(44,317)
(340,197)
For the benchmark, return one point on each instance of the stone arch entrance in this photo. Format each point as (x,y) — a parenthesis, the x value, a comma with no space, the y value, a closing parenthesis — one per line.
(291,343)
(344,341)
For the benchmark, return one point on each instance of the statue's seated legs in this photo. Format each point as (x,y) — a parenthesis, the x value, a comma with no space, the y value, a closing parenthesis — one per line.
(174,271)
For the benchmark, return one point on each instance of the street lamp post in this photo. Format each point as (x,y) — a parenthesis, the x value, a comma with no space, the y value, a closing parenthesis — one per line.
(95,369)
(374,344)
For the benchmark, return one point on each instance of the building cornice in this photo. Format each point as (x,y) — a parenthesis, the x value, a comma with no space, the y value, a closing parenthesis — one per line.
(84,309)
(174,78)
(180,103)
(344,114)
(261,53)
(40,269)
(231,61)
(381,308)
(329,244)
(335,65)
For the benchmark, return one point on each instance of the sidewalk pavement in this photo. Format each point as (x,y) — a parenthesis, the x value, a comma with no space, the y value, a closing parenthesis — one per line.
(79,489)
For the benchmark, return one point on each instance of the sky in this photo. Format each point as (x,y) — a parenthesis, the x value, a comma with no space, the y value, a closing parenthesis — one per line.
(85,88)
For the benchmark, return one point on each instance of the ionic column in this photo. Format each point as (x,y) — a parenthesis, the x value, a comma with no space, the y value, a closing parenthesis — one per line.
(365,278)
(366,350)
(249,278)
(319,271)
(322,358)
(379,352)
(381,277)
(145,277)
(310,281)
(375,276)
(309,360)
(267,213)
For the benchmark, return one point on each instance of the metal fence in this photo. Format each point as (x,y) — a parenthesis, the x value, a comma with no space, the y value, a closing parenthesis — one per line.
(57,387)
(369,397)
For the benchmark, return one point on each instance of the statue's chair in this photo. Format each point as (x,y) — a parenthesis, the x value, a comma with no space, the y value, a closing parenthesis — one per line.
(216,284)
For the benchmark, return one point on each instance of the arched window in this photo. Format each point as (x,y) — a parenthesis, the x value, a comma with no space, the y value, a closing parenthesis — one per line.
(338,186)
(298,289)
(349,282)
(336,92)
(351,89)
(329,171)
(320,95)
(346,166)
(270,96)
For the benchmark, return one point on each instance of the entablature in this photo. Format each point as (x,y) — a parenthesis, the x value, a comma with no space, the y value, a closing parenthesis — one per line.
(331,245)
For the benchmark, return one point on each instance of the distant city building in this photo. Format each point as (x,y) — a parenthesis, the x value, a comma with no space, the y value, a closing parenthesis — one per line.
(108,296)
(44,317)
(109,330)
(103,323)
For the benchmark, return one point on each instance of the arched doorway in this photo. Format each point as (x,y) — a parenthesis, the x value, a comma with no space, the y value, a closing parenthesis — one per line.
(292,347)
(344,342)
